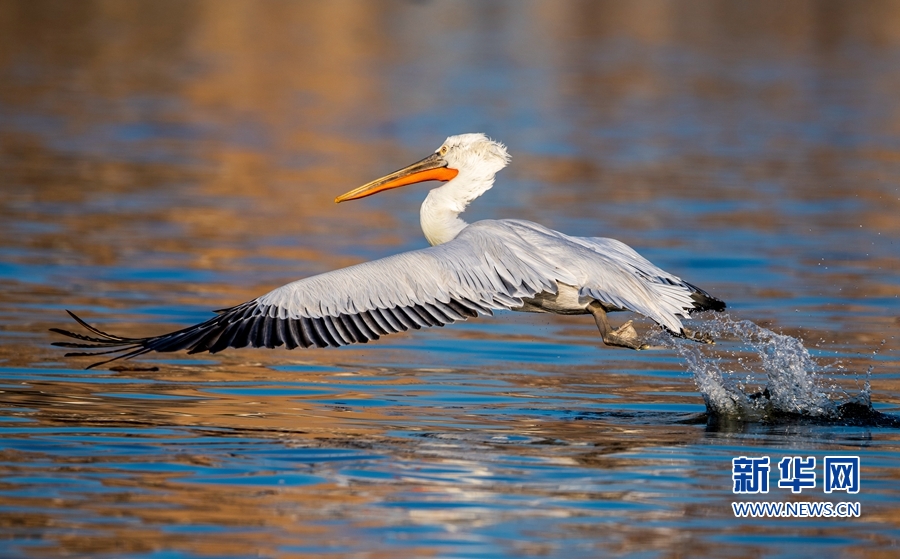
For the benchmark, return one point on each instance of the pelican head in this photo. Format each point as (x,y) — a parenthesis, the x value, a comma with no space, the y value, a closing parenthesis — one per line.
(474,157)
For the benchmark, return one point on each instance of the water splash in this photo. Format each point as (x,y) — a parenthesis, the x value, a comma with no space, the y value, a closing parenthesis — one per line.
(768,376)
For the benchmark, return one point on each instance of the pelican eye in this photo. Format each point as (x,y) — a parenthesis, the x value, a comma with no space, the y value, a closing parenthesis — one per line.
(443,150)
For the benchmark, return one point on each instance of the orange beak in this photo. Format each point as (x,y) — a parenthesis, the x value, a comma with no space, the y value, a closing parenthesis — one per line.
(432,168)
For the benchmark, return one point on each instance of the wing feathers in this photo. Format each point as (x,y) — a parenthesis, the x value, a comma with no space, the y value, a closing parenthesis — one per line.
(490,265)
(311,329)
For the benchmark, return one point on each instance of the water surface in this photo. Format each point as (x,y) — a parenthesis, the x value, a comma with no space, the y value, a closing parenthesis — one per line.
(162,159)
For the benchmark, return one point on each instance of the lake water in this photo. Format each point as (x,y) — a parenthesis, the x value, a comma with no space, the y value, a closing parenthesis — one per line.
(162,159)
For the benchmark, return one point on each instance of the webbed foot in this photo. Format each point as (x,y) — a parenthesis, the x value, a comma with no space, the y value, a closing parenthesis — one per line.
(625,336)
(700,337)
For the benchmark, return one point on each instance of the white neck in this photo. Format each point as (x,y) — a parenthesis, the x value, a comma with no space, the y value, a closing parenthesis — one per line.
(440,211)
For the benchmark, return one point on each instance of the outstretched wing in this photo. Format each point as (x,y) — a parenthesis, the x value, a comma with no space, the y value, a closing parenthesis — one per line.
(485,268)
(638,285)
(613,273)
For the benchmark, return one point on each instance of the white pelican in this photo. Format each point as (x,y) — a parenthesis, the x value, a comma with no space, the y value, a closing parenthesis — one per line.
(469,270)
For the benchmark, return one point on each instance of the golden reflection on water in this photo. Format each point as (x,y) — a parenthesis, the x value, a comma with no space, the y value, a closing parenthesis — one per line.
(159,158)
(335,418)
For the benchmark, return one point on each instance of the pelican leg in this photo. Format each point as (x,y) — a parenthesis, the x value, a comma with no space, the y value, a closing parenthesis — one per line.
(623,336)
(700,337)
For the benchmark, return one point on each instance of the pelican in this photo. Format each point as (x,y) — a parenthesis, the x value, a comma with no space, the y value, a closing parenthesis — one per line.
(469,270)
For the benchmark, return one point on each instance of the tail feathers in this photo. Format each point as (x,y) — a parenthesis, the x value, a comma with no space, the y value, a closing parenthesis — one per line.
(703,301)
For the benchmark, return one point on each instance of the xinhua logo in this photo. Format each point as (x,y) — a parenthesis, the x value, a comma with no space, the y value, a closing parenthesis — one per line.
(750,476)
